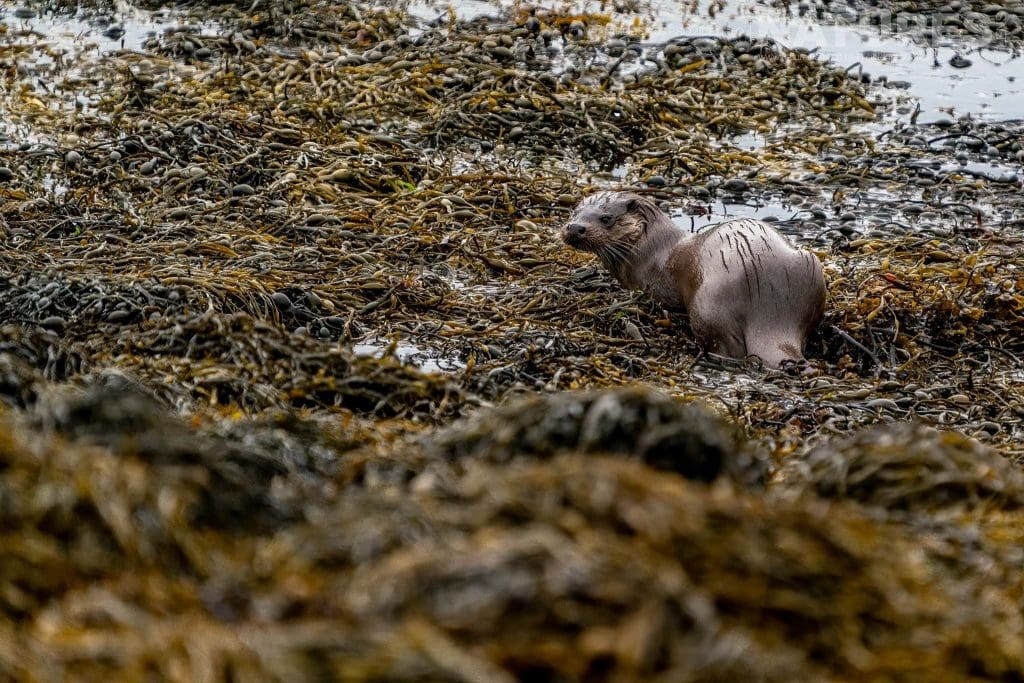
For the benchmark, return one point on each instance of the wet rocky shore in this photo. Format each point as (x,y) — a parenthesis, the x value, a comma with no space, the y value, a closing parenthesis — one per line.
(298,383)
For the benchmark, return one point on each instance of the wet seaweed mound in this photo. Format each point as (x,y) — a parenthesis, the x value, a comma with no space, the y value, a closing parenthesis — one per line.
(578,567)
(686,438)
(910,467)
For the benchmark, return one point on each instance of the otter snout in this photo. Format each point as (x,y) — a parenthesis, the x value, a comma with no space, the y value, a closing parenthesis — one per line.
(574,234)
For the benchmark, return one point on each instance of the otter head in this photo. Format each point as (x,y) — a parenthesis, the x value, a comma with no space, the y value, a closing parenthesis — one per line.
(609,224)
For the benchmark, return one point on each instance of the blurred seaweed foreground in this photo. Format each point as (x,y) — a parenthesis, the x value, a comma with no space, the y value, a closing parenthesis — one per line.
(296,383)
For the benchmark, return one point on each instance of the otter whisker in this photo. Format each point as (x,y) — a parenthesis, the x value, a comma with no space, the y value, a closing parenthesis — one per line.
(617,253)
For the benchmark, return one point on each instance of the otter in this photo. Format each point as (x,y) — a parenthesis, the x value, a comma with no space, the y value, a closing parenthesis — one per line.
(746,289)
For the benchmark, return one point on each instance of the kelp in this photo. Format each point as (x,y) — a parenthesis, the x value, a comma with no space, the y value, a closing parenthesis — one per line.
(298,383)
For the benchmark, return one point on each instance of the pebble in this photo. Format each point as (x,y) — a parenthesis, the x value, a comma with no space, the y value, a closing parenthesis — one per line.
(735,185)
(54,322)
(6,173)
(117,316)
(855,394)
(243,190)
(72,158)
(281,300)
(958,62)
(990,427)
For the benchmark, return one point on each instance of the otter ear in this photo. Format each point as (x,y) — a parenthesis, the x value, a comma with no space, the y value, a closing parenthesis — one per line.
(632,205)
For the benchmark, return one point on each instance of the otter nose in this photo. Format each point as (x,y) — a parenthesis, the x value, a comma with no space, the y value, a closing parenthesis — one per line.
(575,230)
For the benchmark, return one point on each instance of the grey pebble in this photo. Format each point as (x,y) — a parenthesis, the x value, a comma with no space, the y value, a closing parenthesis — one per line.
(281,300)
(54,322)
(735,185)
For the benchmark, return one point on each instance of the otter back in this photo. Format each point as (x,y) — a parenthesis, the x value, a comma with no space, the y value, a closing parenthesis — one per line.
(748,291)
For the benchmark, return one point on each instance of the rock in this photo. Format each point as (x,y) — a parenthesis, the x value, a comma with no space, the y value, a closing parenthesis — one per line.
(736,186)
(282,301)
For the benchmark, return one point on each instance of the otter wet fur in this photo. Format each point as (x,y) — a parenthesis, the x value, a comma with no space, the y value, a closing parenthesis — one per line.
(746,289)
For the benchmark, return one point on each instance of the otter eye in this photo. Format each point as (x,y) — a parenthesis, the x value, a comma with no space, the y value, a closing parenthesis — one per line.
(606,219)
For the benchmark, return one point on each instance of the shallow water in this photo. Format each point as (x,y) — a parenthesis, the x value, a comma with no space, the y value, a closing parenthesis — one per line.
(988,89)
(409,354)
(915,74)
(68,31)
(719,211)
